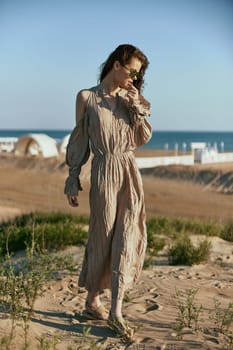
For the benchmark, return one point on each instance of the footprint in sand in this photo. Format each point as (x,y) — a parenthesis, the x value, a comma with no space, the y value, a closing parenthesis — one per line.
(152,305)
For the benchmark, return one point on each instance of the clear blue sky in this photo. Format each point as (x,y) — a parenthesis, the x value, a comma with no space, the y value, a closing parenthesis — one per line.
(50,49)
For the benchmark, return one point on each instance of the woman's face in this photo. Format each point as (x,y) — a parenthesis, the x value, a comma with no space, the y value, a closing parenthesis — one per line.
(128,73)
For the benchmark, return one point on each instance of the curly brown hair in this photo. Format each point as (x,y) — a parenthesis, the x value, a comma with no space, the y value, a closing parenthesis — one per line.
(123,54)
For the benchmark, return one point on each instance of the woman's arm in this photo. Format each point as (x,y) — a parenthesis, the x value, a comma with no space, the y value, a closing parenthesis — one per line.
(78,149)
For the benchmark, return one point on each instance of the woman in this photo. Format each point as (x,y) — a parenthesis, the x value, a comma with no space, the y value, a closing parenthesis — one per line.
(111,121)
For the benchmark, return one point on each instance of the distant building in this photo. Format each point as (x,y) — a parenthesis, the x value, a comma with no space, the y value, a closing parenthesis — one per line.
(7,144)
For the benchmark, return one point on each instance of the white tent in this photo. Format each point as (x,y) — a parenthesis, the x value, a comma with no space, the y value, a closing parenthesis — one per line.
(63,144)
(36,145)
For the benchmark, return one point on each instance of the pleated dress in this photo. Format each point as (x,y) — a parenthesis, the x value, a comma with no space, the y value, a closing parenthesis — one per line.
(117,236)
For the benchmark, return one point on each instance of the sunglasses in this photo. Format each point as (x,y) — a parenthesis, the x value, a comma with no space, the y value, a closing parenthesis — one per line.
(132,72)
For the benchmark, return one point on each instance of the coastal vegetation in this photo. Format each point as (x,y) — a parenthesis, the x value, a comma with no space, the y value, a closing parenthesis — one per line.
(56,231)
(29,247)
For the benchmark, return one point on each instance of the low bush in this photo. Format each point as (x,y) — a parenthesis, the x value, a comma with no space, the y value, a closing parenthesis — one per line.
(227,232)
(52,231)
(183,252)
(172,226)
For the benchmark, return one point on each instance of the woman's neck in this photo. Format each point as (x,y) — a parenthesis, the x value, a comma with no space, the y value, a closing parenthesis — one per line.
(109,87)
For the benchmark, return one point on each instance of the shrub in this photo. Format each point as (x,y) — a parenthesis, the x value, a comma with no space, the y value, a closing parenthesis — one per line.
(172,226)
(227,232)
(189,311)
(155,244)
(184,252)
(22,281)
(52,231)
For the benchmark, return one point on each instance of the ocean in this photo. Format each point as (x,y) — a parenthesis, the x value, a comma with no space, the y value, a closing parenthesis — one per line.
(160,139)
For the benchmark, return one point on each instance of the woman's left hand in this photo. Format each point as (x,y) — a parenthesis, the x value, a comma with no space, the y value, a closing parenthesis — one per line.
(132,93)
(73,200)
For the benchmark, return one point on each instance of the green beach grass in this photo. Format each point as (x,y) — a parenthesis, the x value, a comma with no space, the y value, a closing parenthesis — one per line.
(56,231)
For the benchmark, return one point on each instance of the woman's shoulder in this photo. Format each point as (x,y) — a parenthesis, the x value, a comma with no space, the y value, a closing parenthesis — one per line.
(84,94)
(82,101)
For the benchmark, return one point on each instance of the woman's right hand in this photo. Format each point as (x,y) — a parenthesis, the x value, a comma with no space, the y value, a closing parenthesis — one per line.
(73,200)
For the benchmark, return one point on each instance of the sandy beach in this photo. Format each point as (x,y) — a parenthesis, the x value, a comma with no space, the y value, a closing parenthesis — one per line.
(203,192)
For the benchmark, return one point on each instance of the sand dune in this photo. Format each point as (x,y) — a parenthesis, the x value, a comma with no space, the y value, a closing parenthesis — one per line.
(152,306)
(187,191)
(216,177)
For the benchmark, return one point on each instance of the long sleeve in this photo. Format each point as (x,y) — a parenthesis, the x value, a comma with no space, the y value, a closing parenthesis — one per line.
(77,154)
(141,128)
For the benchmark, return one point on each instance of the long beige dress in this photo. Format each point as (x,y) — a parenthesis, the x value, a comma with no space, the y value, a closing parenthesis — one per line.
(117,238)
